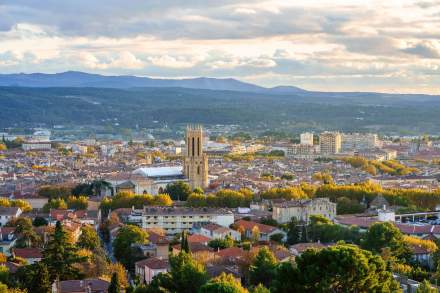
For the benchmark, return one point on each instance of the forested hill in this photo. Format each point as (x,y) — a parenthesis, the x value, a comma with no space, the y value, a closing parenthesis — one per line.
(22,106)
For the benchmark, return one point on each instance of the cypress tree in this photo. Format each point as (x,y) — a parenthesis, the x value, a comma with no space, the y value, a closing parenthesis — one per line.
(114,287)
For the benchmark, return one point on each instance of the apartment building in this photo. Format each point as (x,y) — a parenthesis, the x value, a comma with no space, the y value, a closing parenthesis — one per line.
(330,143)
(176,219)
(303,209)
(359,141)
(306,138)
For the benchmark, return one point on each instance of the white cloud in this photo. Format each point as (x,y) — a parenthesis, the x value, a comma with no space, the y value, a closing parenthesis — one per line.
(271,42)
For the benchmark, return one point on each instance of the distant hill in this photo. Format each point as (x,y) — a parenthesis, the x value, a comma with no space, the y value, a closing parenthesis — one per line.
(81,79)
(150,107)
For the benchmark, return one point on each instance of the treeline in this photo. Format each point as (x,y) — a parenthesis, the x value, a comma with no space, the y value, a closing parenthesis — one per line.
(138,201)
(20,203)
(223,198)
(391,167)
(419,198)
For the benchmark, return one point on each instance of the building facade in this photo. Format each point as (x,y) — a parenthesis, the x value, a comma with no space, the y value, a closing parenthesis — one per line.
(306,138)
(174,220)
(359,141)
(330,143)
(195,163)
(301,210)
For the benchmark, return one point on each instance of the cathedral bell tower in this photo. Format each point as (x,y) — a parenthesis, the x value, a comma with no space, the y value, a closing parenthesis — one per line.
(195,164)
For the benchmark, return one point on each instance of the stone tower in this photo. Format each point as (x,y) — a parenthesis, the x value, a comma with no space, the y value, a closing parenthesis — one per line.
(195,164)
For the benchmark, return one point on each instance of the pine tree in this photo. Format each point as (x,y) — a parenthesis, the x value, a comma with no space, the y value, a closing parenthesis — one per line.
(114,285)
(60,256)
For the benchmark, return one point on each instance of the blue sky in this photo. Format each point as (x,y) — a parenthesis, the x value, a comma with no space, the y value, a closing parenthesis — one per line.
(389,46)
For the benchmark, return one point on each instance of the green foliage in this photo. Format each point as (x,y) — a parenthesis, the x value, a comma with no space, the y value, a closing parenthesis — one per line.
(89,239)
(403,197)
(348,206)
(34,278)
(77,203)
(27,237)
(221,243)
(39,221)
(127,236)
(426,287)
(60,256)
(382,235)
(54,191)
(114,287)
(341,268)
(128,200)
(186,276)
(291,192)
(225,283)
(277,237)
(178,190)
(263,267)
(184,245)
(322,229)
(55,203)
(260,289)
(223,198)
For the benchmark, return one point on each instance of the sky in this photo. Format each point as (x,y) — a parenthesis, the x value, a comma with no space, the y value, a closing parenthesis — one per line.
(339,45)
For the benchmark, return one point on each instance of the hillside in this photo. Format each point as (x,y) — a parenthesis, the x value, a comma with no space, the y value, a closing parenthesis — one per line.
(287,112)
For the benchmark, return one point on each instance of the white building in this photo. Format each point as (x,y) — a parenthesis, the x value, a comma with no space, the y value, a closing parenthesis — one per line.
(36,146)
(215,231)
(330,143)
(302,151)
(306,138)
(8,213)
(147,269)
(176,219)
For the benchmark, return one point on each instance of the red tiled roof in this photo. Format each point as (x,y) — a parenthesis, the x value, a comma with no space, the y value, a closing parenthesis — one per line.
(28,252)
(231,252)
(153,263)
(196,238)
(249,225)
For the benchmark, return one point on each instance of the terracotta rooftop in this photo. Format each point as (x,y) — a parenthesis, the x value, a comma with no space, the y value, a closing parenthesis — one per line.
(28,252)
(153,263)
(196,238)
(249,225)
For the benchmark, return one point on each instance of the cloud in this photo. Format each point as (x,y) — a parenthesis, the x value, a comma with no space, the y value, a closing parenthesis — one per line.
(424,50)
(306,43)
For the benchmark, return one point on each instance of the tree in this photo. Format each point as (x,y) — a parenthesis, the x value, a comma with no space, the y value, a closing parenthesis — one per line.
(27,237)
(39,221)
(163,200)
(255,234)
(178,190)
(260,289)
(77,203)
(186,276)
(114,286)
(128,235)
(382,235)
(262,269)
(57,203)
(184,245)
(34,278)
(118,269)
(89,239)
(225,283)
(342,268)
(425,287)
(60,256)
(98,186)
(221,243)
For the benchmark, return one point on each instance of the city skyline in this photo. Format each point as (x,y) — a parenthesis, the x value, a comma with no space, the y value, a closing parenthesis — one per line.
(316,45)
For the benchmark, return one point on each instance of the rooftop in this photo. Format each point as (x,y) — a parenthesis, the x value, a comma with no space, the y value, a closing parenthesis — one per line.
(160,171)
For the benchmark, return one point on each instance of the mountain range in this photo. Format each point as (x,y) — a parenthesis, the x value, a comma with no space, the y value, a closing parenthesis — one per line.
(82,79)
(114,102)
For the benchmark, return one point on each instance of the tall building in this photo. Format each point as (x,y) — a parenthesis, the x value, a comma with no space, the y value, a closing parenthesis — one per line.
(306,138)
(359,141)
(195,164)
(330,143)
